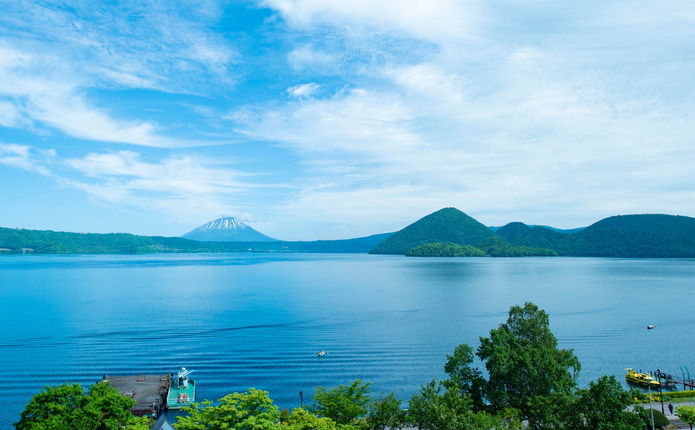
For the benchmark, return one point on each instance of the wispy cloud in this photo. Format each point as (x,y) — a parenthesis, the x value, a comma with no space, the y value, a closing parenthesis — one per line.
(432,20)
(27,158)
(495,114)
(177,187)
(303,91)
(185,184)
(52,56)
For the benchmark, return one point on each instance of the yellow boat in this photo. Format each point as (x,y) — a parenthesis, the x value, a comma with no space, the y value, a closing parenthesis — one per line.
(641,379)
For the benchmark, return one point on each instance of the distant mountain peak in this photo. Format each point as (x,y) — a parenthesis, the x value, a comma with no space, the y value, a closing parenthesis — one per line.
(226,223)
(227,229)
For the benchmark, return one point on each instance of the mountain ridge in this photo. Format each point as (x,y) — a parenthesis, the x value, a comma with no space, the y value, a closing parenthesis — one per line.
(624,236)
(628,236)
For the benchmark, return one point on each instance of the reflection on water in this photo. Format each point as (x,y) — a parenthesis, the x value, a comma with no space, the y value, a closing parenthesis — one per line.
(259,320)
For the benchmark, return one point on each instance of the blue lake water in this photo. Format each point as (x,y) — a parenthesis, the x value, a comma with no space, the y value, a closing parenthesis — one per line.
(258,321)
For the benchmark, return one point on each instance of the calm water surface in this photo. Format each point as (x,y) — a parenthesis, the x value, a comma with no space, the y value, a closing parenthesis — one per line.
(258,321)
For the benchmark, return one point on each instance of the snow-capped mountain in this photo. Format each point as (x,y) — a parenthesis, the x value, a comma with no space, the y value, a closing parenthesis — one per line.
(227,229)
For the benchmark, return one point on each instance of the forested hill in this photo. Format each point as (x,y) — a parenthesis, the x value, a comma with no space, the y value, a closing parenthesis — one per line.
(14,241)
(20,241)
(448,225)
(638,236)
(644,236)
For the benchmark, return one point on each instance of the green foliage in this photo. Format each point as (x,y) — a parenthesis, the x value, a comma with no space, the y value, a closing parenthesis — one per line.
(385,413)
(439,249)
(300,419)
(603,406)
(523,360)
(67,406)
(558,410)
(687,414)
(464,377)
(342,404)
(498,247)
(668,395)
(442,407)
(660,420)
(434,409)
(446,225)
(252,410)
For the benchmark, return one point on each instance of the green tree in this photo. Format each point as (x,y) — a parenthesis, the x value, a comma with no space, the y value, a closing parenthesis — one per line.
(439,249)
(466,378)
(52,407)
(300,419)
(559,410)
(252,410)
(67,406)
(385,413)
(433,409)
(523,360)
(603,406)
(342,404)
(687,414)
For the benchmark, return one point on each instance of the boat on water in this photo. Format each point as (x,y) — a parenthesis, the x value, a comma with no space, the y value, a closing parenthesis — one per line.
(182,390)
(641,379)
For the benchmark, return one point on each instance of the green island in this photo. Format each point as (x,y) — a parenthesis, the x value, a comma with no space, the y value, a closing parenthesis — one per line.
(490,247)
(529,383)
(448,249)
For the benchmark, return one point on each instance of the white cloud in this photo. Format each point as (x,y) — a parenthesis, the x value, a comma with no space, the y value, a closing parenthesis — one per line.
(433,20)
(369,126)
(176,175)
(303,91)
(54,99)
(25,157)
(176,187)
(528,134)
(47,78)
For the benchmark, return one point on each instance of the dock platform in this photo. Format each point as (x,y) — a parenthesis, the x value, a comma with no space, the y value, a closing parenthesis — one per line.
(150,391)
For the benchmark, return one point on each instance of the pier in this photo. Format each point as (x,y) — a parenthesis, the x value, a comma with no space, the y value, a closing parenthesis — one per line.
(150,391)
(667,381)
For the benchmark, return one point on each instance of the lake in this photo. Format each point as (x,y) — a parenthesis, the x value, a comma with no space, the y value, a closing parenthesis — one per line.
(258,320)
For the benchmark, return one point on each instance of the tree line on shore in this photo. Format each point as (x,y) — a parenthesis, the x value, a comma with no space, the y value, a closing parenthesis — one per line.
(530,383)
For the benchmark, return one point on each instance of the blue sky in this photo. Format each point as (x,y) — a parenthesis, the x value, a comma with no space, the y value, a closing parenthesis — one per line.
(314,119)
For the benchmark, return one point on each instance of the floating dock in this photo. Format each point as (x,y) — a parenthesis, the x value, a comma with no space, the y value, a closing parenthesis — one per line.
(150,391)
(181,391)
